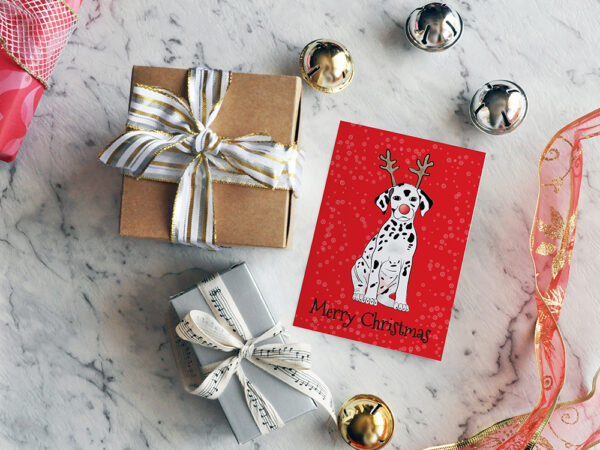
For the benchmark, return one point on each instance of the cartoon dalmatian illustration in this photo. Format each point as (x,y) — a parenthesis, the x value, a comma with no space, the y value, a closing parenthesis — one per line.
(384,267)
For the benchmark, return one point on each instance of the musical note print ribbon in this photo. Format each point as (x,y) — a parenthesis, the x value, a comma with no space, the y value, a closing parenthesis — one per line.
(226,330)
(549,425)
(169,139)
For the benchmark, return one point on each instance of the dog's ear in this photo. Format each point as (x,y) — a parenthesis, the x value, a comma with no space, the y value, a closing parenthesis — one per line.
(383,200)
(425,202)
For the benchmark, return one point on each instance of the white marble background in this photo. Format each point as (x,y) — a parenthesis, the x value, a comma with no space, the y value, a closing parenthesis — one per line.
(84,358)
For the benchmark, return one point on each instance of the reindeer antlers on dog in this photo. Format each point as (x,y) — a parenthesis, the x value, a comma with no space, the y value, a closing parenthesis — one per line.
(389,165)
(422,172)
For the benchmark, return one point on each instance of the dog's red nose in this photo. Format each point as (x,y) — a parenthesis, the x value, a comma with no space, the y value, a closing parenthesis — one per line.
(404,209)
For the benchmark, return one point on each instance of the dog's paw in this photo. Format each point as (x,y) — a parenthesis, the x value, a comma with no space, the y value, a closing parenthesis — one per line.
(358,297)
(385,301)
(370,301)
(401,307)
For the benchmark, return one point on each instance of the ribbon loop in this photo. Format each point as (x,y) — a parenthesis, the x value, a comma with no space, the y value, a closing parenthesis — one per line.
(227,332)
(170,139)
(276,355)
(202,329)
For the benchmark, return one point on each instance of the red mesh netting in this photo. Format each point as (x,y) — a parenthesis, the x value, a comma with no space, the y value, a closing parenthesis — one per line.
(33,33)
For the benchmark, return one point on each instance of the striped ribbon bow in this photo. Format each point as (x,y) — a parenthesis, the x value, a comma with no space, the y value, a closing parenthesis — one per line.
(226,330)
(169,139)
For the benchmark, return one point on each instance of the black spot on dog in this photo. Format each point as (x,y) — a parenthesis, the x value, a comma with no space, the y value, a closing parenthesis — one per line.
(394,222)
(379,249)
(386,227)
(407,193)
(409,226)
(404,234)
(404,271)
(396,236)
(375,264)
(426,202)
(411,237)
(373,285)
(386,291)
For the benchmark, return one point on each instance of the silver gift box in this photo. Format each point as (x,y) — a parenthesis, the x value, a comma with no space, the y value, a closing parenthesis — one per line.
(190,358)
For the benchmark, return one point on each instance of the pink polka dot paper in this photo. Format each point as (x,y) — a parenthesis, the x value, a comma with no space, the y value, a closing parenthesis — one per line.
(423,251)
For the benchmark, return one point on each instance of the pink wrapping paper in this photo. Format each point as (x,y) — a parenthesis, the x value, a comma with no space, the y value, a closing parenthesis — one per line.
(20,94)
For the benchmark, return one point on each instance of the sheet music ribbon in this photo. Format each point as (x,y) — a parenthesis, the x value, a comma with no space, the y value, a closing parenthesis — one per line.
(226,330)
(169,139)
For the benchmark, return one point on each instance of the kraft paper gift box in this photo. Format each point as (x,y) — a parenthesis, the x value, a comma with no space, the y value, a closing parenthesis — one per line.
(244,215)
(190,358)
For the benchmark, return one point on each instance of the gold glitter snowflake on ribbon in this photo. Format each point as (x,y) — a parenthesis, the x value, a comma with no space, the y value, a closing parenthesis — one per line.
(558,229)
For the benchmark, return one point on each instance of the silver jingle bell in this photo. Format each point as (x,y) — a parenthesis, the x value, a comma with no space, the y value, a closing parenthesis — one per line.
(326,65)
(498,107)
(434,27)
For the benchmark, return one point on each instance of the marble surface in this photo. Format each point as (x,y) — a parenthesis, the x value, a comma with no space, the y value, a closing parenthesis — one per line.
(85,362)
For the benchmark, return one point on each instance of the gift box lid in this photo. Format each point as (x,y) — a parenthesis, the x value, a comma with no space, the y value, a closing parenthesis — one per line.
(288,402)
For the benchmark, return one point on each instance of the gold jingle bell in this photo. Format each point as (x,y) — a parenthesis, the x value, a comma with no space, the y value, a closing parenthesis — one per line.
(326,65)
(366,422)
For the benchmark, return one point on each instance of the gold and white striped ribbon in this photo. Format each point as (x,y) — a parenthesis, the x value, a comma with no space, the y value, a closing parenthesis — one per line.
(225,330)
(169,139)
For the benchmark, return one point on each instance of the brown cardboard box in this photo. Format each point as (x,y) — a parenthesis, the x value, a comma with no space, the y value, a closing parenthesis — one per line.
(244,215)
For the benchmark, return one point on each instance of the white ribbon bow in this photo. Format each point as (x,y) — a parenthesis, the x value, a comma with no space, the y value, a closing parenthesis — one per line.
(171,140)
(226,330)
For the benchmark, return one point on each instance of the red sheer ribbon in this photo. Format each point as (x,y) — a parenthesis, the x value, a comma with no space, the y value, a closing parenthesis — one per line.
(550,425)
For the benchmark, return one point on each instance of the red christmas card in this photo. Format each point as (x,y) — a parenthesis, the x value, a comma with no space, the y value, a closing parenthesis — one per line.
(390,240)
